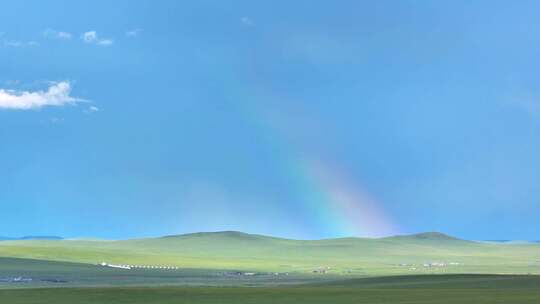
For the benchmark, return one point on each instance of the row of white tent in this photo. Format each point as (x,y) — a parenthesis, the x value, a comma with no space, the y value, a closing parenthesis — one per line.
(139,266)
(155,267)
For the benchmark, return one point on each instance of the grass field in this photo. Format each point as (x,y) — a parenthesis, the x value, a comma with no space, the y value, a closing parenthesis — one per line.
(66,274)
(345,256)
(433,289)
(424,268)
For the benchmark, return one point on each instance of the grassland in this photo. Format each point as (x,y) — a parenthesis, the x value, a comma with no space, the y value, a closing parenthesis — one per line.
(433,289)
(39,274)
(354,257)
(423,268)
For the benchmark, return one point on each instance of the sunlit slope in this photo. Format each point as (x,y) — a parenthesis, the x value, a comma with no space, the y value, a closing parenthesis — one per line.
(235,250)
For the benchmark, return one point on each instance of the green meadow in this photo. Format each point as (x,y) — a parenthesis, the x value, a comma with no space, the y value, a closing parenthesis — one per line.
(433,289)
(233,267)
(347,257)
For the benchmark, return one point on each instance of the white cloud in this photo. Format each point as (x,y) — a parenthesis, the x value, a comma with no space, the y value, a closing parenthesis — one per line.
(91,37)
(58,94)
(134,33)
(91,110)
(64,35)
(6,42)
(105,42)
(52,34)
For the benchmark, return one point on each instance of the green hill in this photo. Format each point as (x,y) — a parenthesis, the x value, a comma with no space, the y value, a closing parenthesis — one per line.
(426,253)
(234,235)
(433,236)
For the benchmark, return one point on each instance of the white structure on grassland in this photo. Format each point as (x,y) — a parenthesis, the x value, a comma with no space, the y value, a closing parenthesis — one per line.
(115,266)
(129,267)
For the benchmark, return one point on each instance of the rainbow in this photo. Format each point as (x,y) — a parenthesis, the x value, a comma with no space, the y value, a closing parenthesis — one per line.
(343,207)
(336,204)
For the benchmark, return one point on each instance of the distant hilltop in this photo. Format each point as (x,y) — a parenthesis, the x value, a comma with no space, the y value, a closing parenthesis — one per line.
(237,235)
(31,237)
(245,237)
(427,236)
(510,242)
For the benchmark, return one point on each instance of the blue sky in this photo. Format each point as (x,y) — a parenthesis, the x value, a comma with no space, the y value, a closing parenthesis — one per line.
(144,118)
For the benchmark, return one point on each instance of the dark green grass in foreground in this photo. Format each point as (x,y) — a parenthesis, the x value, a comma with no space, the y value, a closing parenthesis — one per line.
(440,289)
(450,281)
(270,295)
(63,274)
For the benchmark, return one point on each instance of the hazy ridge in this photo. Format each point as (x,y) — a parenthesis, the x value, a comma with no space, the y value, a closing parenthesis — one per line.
(430,252)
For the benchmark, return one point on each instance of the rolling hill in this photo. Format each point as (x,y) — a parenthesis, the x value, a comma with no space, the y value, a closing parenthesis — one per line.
(426,253)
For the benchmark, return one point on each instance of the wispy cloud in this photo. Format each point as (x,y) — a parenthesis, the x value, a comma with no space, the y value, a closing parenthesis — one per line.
(58,94)
(91,37)
(527,102)
(105,42)
(247,21)
(19,44)
(6,42)
(133,33)
(529,105)
(53,34)
(91,110)
(64,35)
(12,82)
(56,120)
